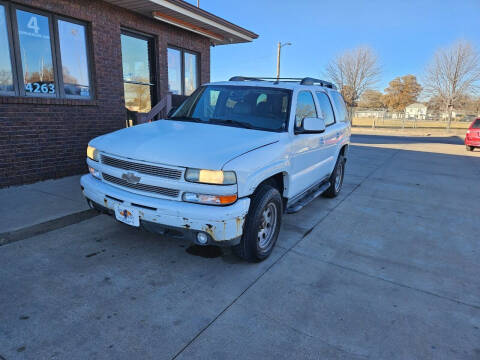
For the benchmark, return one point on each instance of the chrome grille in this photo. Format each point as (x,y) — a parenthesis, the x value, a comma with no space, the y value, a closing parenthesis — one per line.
(142,168)
(142,187)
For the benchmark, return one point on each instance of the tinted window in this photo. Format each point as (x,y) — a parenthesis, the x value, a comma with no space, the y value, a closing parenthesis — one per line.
(6,80)
(305,107)
(244,106)
(73,52)
(476,124)
(36,53)
(190,73)
(325,108)
(174,72)
(341,113)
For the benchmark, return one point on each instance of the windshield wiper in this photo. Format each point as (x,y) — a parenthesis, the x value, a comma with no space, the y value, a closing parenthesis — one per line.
(232,122)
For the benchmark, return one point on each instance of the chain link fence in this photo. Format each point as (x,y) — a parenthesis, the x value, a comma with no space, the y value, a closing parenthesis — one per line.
(385,119)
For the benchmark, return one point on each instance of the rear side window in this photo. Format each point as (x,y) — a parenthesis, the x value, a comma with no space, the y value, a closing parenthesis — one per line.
(305,107)
(476,124)
(342,114)
(325,108)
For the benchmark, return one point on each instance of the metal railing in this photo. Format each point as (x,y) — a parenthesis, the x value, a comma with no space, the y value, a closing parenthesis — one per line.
(403,122)
(161,108)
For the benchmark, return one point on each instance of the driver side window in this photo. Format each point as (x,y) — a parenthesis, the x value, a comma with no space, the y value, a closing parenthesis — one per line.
(305,107)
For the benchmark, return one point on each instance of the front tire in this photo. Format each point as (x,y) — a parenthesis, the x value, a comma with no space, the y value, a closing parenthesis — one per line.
(336,179)
(262,225)
(469,148)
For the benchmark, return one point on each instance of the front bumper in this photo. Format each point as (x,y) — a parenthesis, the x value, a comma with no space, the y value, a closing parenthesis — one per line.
(221,223)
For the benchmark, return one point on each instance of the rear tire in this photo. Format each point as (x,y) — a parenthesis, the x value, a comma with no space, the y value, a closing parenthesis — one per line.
(262,225)
(469,148)
(336,179)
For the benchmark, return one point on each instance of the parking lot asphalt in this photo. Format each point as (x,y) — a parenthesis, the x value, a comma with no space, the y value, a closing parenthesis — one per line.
(387,270)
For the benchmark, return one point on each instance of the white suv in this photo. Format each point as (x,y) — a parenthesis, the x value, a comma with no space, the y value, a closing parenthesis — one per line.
(225,166)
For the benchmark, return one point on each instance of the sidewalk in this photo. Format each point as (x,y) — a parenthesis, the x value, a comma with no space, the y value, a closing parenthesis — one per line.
(35,208)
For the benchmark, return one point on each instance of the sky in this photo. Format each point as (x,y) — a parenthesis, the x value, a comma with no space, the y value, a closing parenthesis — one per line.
(404,34)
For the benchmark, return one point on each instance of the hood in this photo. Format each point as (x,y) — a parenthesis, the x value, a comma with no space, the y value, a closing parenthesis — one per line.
(182,143)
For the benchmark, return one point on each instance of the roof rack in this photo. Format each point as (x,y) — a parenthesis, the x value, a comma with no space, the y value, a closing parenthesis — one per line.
(244,78)
(302,81)
(312,81)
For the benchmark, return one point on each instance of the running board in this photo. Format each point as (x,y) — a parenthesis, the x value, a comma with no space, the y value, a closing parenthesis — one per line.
(308,198)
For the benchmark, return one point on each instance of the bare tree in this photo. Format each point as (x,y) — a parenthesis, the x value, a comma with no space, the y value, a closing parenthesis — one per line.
(453,74)
(353,72)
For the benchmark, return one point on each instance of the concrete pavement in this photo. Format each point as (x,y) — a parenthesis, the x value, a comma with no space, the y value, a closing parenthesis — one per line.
(388,270)
(27,205)
(35,208)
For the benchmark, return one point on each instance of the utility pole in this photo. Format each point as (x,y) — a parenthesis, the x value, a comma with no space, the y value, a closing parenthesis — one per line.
(198,3)
(280,45)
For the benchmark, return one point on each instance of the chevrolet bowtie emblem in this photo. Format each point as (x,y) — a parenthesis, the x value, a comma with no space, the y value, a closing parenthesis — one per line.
(131,178)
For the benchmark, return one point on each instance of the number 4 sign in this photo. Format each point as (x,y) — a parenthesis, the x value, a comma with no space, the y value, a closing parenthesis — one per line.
(33,24)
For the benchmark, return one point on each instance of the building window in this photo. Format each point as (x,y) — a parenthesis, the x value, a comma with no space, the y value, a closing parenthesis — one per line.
(36,53)
(50,53)
(73,52)
(182,71)
(191,83)
(6,78)
(175,71)
(138,74)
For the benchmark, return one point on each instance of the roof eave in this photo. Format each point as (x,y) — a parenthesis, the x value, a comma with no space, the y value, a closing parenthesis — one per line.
(184,15)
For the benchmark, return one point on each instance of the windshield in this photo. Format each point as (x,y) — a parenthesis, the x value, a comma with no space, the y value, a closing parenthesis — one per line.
(476,124)
(241,106)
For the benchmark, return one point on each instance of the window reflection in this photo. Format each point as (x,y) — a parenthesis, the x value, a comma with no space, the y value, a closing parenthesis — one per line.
(325,108)
(174,72)
(136,65)
(137,73)
(305,107)
(190,73)
(74,58)
(6,81)
(137,97)
(36,53)
(182,72)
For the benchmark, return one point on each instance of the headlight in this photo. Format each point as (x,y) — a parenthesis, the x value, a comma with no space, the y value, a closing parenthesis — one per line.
(209,199)
(211,176)
(92,153)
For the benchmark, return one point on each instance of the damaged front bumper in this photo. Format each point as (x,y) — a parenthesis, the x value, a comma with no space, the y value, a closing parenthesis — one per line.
(222,224)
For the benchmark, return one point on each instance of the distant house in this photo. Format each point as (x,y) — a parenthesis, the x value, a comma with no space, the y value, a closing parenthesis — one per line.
(416,110)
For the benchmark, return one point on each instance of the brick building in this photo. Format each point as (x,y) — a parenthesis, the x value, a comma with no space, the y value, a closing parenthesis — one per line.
(71,70)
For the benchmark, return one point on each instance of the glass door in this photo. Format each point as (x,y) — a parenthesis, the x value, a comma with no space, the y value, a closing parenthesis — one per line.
(138,74)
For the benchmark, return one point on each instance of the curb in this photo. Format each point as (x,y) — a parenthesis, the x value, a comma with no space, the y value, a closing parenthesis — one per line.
(42,228)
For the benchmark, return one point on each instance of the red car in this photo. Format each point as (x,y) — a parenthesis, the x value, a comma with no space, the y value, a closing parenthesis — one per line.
(472,138)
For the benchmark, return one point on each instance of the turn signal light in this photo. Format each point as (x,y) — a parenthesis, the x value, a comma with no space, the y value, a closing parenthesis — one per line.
(209,199)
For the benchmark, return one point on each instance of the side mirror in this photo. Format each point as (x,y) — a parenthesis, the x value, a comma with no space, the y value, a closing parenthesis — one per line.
(313,125)
(172,110)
